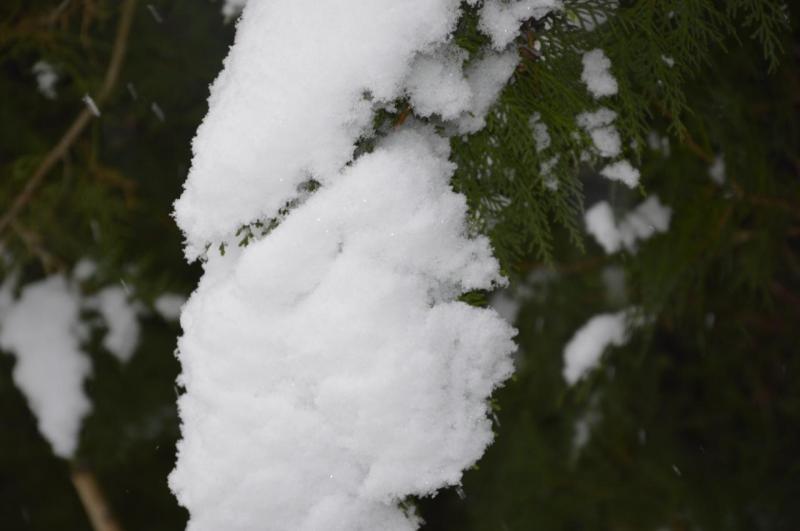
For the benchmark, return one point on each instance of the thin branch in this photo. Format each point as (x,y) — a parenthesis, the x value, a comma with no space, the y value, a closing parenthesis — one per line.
(74,131)
(31,240)
(94,502)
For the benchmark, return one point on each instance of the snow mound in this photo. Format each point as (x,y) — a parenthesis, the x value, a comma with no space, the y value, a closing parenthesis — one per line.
(329,370)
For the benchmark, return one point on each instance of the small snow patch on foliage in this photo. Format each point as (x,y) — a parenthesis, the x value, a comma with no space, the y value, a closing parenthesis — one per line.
(600,126)
(486,77)
(541,136)
(121,319)
(648,218)
(42,330)
(584,350)
(46,79)
(168,305)
(717,170)
(623,172)
(500,19)
(596,74)
(436,84)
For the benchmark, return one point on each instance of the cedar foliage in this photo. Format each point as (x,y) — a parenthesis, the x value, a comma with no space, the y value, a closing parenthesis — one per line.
(692,423)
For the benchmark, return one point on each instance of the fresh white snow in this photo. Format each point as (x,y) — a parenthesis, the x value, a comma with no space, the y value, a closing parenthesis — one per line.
(42,330)
(329,370)
(717,170)
(600,126)
(623,172)
(297,91)
(120,316)
(541,136)
(436,84)
(584,350)
(501,19)
(486,77)
(46,79)
(597,75)
(168,305)
(232,8)
(647,219)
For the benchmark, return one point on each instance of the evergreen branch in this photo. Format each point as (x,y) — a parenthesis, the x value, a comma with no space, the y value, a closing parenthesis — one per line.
(74,131)
(94,502)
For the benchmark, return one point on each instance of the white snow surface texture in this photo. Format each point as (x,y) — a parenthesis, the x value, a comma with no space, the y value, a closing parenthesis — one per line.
(290,102)
(584,350)
(42,330)
(329,369)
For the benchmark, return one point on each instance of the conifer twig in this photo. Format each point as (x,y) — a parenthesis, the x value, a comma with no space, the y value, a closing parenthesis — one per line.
(32,242)
(81,121)
(94,502)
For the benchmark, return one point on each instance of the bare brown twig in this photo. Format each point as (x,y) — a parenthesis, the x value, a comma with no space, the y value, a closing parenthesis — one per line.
(94,502)
(81,121)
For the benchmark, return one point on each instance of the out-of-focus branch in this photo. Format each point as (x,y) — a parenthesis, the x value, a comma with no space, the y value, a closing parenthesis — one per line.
(81,121)
(94,502)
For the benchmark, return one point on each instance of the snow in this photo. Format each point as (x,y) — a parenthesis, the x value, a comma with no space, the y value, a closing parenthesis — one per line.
(232,8)
(644,221)
(596,74)
(84,269)
(329,369)
(501,19)
(486,77)
(42,330)
(717,170)
(658,143)
(584,424)
(506,305)
(623,172)
(436,84)
(46,79)
(541,136)
(91,105)
(546,171)
(600,223)
(351,377)
(607,141)
(599,118)
(599,125)
(120,316)
(294,121)
(583,352)
(649,218)
(168,305)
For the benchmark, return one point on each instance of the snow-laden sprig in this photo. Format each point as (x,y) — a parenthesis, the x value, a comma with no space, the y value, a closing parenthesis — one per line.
(329,369)
(296,93)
